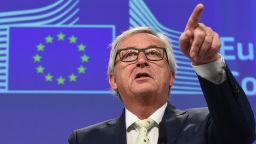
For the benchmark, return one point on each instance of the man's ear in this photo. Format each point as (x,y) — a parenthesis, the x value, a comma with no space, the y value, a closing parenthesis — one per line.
(112,82)
(172,78)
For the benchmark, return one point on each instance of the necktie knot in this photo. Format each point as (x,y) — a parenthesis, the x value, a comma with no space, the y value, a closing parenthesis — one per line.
(143,126)
(145,123)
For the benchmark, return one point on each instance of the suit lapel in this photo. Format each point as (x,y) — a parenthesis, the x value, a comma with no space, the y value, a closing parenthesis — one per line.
(120,130)
(174,120)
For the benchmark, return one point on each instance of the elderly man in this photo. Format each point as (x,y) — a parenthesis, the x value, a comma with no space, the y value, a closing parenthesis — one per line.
(142,71)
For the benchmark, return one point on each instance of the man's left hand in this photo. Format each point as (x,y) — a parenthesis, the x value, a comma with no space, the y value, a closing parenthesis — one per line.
(198,41)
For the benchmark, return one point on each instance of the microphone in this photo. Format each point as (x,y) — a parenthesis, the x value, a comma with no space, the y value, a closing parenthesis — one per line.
(162,139)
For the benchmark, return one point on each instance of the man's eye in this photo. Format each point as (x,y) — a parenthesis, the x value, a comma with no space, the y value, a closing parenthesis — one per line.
(154,53)
(129,54)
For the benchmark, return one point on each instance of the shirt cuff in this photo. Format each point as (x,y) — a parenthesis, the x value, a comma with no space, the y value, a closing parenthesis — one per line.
(213,72)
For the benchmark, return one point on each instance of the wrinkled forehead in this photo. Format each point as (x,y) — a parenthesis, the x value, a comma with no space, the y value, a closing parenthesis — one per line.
(140,40)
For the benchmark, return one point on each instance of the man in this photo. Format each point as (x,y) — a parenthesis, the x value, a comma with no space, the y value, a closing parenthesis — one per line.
(142,71)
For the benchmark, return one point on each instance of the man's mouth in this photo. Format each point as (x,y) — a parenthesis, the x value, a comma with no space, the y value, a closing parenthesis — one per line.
(142,75)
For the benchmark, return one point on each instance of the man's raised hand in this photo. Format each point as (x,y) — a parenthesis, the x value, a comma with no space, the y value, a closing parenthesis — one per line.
(198,41)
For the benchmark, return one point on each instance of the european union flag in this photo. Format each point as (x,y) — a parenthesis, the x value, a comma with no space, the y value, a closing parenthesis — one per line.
(66,58)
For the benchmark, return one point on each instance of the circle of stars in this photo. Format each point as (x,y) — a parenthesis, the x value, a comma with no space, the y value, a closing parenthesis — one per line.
(48,76)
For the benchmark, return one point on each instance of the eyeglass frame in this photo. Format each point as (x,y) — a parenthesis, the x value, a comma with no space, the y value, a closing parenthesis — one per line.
(141,50)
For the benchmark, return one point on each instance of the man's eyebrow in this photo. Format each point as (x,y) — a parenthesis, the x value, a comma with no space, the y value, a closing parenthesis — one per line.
(150,46)
(153,46)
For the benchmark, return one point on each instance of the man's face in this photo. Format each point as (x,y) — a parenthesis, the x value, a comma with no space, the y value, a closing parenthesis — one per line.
(142,77)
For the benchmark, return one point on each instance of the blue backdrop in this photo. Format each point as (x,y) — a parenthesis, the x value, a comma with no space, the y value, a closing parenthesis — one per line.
(54,56)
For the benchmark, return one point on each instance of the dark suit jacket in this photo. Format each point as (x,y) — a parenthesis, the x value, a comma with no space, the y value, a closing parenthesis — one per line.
(229,120)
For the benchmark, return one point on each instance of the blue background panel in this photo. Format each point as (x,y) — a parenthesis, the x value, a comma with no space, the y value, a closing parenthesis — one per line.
(35,111)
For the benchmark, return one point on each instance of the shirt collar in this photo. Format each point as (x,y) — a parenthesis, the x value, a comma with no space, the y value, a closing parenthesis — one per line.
(157,116)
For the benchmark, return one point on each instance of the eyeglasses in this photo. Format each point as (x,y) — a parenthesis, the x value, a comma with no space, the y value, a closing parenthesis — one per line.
(131,54)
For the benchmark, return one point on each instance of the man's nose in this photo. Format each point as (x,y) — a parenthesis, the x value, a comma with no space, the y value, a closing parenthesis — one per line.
(142,60)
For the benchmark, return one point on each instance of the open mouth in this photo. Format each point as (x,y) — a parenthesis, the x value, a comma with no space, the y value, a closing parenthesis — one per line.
(142,75)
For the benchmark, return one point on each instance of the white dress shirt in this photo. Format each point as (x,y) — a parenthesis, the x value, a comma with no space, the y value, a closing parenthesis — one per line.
(213,72)
(132,133)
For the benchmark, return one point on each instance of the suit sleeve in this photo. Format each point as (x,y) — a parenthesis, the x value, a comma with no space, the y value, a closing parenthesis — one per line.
(72,138)
(231,117)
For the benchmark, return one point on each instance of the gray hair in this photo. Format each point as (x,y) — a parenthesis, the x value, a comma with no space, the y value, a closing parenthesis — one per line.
(130,32)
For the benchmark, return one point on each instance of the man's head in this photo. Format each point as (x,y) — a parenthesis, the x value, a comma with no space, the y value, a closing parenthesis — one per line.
(141,65)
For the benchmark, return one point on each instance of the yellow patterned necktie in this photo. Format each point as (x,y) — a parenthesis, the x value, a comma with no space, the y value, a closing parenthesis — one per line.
(143,126)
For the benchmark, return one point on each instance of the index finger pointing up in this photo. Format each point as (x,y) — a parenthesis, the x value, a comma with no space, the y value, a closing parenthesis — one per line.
(195,17)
